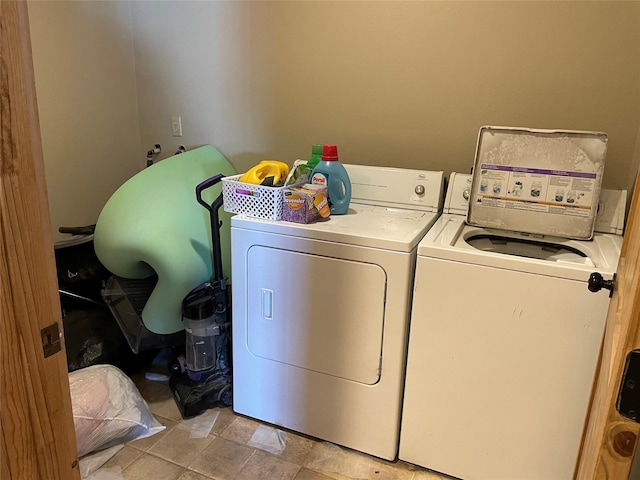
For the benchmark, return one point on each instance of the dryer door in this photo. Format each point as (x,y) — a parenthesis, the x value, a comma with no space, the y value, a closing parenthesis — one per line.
(324,314)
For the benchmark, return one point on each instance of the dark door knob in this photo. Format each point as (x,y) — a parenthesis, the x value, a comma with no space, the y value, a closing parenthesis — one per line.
(597,283)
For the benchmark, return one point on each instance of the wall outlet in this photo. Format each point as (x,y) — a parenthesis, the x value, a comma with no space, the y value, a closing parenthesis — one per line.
(176,126)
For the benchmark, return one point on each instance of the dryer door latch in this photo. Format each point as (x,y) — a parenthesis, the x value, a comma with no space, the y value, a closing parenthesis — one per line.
(596,283)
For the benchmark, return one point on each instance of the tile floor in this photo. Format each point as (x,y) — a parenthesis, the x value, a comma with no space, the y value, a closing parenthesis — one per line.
(227,446)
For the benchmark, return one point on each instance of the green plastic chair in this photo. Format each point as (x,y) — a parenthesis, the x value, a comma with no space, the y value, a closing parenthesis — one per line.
(154,224)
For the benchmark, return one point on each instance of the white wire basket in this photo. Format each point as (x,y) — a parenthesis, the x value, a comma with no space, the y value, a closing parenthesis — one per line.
(252,200)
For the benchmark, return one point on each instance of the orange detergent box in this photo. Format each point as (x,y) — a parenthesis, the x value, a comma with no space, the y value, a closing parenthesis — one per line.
(305,204)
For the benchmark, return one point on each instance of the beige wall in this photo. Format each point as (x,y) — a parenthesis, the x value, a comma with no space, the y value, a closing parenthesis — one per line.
(85,82)
(406,84)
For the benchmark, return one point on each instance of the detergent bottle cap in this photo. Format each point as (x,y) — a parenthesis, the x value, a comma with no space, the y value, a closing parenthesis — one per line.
(330,153)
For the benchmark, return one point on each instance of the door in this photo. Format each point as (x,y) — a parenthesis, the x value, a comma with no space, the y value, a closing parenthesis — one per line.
(293,317)
(610,440)
(38,436)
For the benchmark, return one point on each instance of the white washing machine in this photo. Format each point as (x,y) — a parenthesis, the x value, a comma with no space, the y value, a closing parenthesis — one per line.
(504,344)
(321,311)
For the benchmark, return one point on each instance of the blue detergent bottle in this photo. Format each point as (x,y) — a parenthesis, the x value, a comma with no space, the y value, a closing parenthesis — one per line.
(331,172)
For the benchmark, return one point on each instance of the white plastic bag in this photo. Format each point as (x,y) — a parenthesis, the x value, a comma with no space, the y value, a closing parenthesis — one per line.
(92,462)
(108,409)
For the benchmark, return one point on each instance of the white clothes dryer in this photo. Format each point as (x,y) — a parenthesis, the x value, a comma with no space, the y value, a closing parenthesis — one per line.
(321,311)
(504,344)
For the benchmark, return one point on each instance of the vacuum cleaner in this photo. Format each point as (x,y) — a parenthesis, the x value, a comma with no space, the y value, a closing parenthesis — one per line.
(201,378)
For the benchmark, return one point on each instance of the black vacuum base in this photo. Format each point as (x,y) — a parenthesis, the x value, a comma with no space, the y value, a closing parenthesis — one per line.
(194,398)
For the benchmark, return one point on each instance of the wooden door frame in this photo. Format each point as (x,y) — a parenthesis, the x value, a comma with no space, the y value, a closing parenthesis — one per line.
(38,435)
(610,440)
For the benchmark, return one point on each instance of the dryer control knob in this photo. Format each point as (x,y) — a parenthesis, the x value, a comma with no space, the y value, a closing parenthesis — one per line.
(465,194)
(596,283)
(419,190)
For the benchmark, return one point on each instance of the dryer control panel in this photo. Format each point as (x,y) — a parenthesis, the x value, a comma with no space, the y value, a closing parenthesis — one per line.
(396,187)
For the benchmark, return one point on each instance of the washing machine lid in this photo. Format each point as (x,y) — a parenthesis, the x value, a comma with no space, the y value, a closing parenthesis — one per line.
(373,226)
(544,182)
(610,214)
(451,239)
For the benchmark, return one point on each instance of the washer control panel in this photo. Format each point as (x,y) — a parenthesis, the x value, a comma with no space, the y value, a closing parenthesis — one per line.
(611,211)
(457,199)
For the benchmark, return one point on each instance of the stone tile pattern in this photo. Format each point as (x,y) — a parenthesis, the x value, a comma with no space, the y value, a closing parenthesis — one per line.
(239,448)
